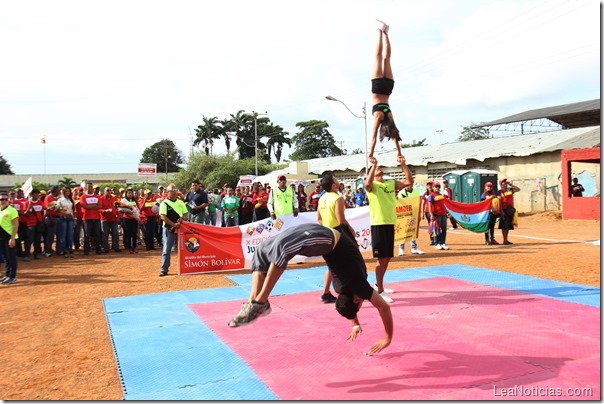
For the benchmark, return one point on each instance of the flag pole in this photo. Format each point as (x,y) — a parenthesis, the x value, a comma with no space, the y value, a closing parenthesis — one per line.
(44,146)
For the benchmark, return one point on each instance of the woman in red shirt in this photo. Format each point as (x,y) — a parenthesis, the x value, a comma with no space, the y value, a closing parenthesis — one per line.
(260,200)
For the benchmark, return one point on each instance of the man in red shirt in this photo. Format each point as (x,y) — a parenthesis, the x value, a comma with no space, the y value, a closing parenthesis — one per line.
(506,220)
(92,219)
(314,198)
(109,220)
(438,215)
(149,207)
(34,220)
(20,202)
(448,192)
(79,221)
(51,219)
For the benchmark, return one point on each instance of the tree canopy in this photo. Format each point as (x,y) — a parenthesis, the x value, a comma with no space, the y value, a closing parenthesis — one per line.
(471,133)
(313,141)
(5,167)
(163,153)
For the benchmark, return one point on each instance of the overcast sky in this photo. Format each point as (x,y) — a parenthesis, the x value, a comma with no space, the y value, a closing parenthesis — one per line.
(104,80)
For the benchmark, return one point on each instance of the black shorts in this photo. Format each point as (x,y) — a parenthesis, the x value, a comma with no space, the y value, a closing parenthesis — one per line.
(382,241)
(382,86)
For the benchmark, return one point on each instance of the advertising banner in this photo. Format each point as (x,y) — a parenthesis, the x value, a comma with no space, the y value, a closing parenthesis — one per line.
(147,169)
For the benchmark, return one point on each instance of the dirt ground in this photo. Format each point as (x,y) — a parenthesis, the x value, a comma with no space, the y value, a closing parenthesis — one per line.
(56,344)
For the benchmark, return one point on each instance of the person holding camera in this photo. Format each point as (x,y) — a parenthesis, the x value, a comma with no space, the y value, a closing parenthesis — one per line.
(506,221)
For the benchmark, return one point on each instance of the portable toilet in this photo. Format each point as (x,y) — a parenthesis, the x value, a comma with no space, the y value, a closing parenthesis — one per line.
(455,183)
(472,184)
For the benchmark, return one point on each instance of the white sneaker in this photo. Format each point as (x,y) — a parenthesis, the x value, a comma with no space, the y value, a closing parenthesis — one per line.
(383,26)
(451,228)
(444,247)
(416,251)
(386,290)
(387,298)
(401,251)
(438,247)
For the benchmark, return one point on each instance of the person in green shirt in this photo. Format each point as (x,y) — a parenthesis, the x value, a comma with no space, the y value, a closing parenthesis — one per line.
(173,212)
(230,207)
(381,193)
(9,228)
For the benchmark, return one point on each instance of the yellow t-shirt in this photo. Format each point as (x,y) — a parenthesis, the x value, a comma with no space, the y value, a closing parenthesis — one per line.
(382,203)
(327,208)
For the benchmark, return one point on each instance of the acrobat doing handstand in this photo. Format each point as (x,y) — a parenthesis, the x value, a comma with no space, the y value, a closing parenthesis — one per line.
(344,260)
(382,84)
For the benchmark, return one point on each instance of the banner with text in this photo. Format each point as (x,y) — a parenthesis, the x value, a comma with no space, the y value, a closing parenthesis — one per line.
(205,248)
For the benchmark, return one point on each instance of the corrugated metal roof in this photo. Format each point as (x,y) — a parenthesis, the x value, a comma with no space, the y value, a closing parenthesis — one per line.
(460,152)
(575,115)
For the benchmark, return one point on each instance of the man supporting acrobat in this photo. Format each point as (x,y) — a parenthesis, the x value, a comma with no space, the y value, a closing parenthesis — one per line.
(341,253)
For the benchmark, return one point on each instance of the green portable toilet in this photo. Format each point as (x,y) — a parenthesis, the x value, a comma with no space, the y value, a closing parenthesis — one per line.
(454,178)
(472,184)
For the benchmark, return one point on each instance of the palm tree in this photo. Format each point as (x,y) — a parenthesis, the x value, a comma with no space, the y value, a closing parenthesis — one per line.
(67,182)
(226,125)
(242,124)
(207,133)
(276,141)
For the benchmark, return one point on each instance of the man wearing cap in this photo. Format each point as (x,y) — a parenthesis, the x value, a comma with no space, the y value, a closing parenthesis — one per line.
(506,221)
(344,260)
(79,218)
(173,212)
(382,193)
(425,208)
(360,198)
(282,199)
(109,220)
(438,215)
(314,197)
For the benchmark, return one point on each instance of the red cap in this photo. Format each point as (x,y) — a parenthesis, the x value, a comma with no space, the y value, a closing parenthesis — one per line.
(281,176)
(488,184)
(225,185)
(503,180)
(436,184)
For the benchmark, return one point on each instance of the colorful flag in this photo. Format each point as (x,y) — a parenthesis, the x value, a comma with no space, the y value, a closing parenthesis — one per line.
(43,139)
(470,216)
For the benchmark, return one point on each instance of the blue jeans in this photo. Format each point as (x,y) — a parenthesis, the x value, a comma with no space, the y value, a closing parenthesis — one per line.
(52,228)
(169,240)
(65,235)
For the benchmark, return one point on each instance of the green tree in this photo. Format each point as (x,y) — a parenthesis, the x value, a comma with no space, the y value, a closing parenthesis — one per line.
(471,132)
(5,167)
(414,143)
(67,182)
(313,141)
(214,171)
(163,153)
(207,133)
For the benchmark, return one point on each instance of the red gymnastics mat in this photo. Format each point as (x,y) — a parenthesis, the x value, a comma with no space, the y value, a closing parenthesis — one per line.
(453,340)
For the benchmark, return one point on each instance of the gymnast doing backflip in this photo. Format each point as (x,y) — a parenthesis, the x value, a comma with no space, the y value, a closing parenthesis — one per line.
(345,263)
(382,83)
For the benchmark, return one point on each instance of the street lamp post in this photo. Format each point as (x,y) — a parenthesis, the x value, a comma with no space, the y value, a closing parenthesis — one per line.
(364,116)
(255,114)
(440,133)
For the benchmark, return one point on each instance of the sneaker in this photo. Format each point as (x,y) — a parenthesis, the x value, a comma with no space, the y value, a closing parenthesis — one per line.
(26,259)
(37,257)
(70,255)
(401,251)
(3,278)
(439,247)
(387,298)
(250,312)
(383,26)
(444,247)
(8,281)
(65,256)
(416,251)
(162,273)
(452,228)
(47,254)
(328,298)
(386,290)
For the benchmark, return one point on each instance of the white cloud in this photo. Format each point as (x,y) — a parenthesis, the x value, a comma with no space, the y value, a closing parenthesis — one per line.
(115,77)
